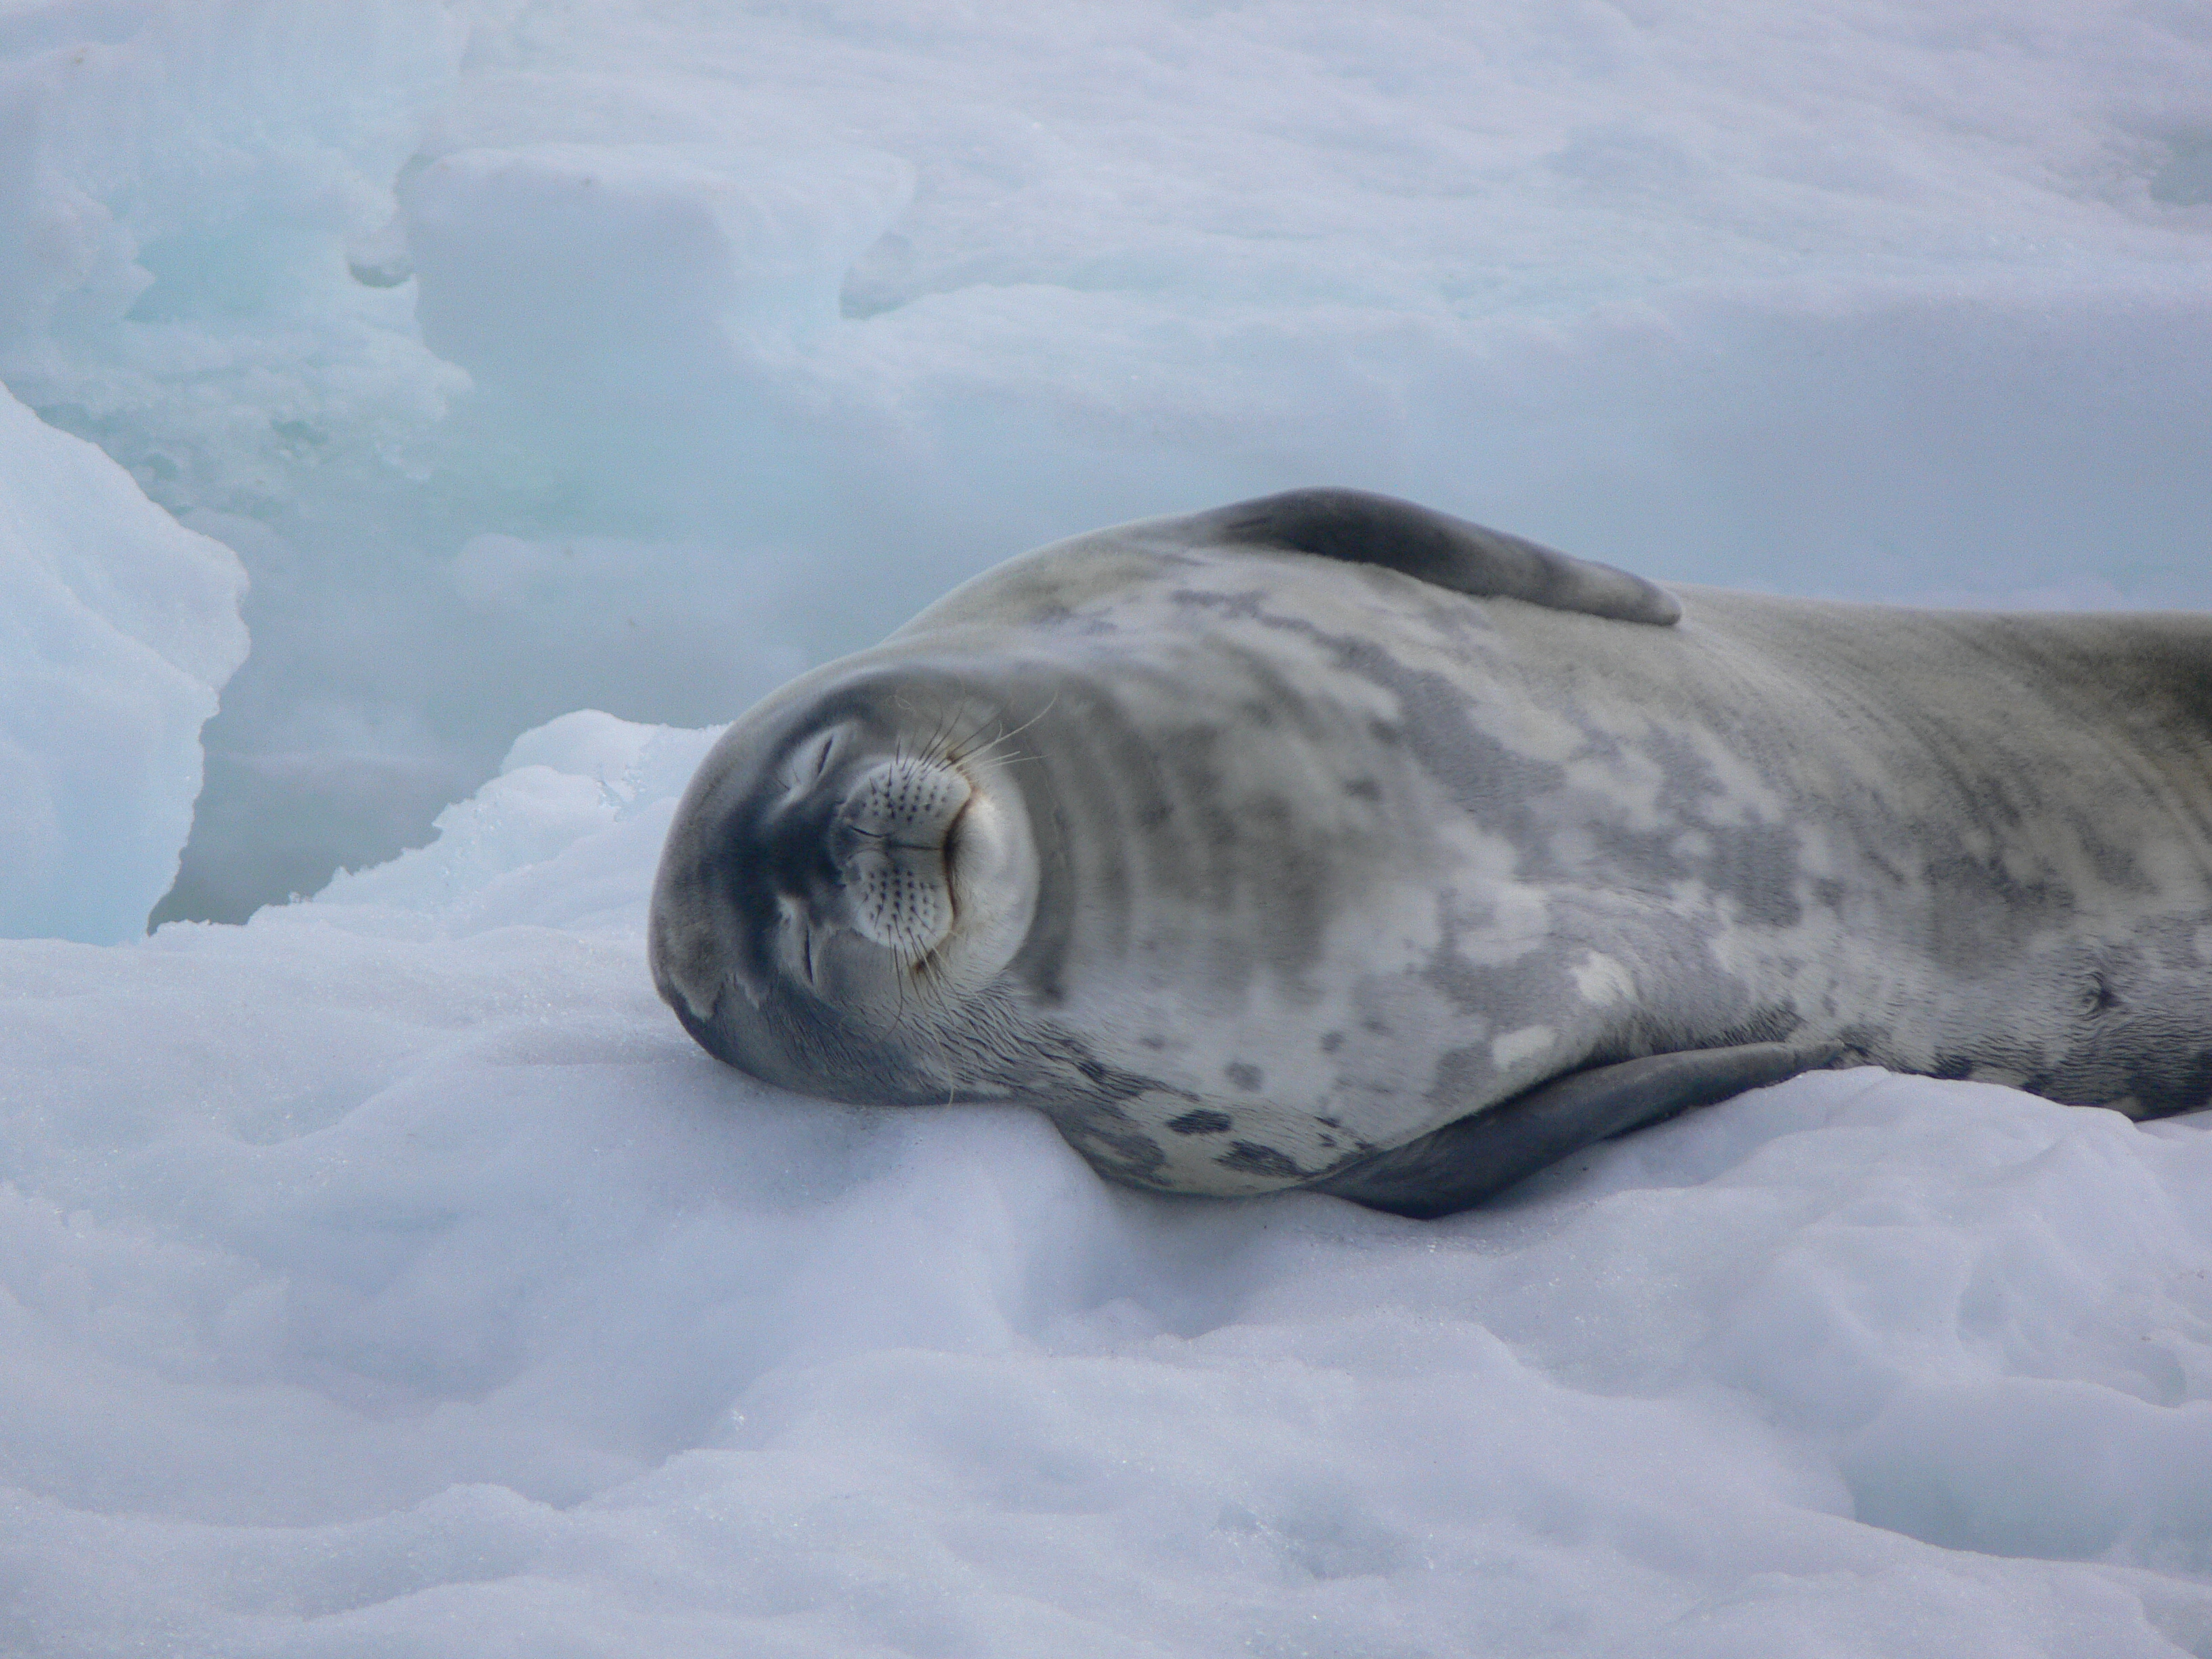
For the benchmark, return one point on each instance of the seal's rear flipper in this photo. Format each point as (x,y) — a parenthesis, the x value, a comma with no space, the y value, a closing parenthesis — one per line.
(1464,1163)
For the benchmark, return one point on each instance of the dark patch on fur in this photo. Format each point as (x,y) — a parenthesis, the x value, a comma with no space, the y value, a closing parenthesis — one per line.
(1254,1159)
(1200,1123)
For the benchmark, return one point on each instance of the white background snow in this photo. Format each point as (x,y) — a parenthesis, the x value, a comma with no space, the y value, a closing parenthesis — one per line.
(390,1276)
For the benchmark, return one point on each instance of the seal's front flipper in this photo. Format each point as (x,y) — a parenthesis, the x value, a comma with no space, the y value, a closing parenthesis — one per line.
(1464,1163)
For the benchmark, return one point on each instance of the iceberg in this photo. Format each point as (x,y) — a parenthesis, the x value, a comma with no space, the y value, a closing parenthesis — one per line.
(732,312)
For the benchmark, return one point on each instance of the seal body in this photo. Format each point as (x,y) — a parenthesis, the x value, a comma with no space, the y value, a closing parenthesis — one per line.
(1285,845)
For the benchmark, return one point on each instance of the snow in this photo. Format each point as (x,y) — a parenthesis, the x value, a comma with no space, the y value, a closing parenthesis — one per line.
(389,1275)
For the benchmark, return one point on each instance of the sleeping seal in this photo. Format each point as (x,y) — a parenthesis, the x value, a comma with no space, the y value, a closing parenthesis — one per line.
(1325,840)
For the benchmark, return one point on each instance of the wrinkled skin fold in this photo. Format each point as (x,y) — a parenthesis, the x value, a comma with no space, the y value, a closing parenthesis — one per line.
(1325,840)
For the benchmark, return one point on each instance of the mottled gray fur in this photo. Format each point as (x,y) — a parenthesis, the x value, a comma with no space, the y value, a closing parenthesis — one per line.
(1257,842)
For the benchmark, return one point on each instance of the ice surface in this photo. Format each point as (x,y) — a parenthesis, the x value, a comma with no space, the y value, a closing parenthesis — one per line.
(392,1276)
(117,627)
(537,356)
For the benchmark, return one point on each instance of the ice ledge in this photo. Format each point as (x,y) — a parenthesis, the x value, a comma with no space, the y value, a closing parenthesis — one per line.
(118,628)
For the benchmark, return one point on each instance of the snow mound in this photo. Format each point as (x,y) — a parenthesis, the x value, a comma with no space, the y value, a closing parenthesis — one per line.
(117,627)
(557,839)
(392,1275)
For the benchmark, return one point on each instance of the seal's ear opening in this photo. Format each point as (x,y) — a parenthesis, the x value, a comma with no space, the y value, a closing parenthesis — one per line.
(1360,528)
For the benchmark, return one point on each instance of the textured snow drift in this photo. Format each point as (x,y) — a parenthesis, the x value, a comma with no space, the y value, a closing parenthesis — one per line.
(392,1276)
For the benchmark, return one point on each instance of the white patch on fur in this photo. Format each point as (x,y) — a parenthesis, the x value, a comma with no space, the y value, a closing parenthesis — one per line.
(1508,1051)
(1602,979)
